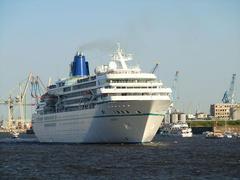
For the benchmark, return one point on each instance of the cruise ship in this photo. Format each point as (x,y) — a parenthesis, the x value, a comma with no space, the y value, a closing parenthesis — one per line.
(117,104)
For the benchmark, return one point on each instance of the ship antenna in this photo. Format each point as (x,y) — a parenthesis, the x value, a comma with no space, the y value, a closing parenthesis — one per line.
(118,46)
(120,56)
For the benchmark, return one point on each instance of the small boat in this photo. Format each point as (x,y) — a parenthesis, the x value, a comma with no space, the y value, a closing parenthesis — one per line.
(14,134)
(212,135)
(228,135)
(176,129)
(30,131)
(206,132)
(236,135)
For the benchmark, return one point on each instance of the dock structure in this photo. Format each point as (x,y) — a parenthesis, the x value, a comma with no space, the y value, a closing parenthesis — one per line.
(228,128)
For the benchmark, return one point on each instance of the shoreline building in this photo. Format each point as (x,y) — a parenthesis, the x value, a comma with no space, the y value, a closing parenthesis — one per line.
(222,110)
(235,112)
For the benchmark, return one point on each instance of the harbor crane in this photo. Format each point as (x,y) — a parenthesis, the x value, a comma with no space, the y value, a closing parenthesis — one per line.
(37,88)
(9,102)
(174,98)
(228,96)
(155,67)
(174,88)
(21,97)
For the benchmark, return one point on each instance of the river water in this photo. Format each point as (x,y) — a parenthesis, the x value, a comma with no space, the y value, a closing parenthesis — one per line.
(165,158)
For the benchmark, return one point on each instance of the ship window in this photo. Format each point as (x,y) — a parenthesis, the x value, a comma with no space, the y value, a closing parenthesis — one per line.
(118,112)
(82,80)
(74,101)
(139,112)
(52,86)
(103,112)
(66,89)
(60,84)
(101,81)
(86,85)
(127,111)
(123,112)
(93,77)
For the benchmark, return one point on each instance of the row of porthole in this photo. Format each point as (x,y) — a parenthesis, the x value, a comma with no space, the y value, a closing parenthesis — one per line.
(118,106)
(121,112)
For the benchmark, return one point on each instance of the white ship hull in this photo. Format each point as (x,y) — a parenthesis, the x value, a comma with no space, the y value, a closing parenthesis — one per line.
(135,122)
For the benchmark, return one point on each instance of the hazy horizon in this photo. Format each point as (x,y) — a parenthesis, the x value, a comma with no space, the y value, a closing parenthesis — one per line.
(201,39)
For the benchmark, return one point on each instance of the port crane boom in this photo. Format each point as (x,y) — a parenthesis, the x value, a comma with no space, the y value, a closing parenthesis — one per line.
(228,96)
(155,67)
(174,98)
(22,95)
(37,88)
(174,87)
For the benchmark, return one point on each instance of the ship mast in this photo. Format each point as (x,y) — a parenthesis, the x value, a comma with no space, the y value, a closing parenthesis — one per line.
(121,57)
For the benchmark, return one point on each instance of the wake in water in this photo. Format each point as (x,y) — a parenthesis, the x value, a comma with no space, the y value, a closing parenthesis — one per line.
(18,140)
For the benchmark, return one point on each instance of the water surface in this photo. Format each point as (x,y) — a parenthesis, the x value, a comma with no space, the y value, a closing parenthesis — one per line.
(165,158)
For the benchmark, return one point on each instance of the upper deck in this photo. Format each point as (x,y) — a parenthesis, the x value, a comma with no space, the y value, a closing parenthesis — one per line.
(113,82)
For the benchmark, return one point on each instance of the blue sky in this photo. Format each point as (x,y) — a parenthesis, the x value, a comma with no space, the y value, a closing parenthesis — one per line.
(199,38)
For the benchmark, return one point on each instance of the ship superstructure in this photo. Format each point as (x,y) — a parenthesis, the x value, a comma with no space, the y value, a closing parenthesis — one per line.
(117,104)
